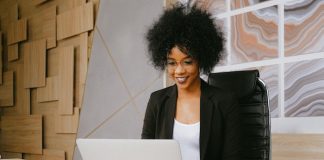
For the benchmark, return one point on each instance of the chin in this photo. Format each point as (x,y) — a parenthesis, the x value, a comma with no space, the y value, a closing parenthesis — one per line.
(183,86)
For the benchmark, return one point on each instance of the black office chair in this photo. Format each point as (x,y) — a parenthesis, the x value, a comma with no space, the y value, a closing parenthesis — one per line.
(254,107)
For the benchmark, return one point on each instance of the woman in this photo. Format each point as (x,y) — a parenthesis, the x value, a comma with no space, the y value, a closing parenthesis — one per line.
(203,119)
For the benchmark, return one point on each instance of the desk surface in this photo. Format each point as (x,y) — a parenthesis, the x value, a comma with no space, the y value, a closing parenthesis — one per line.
(297,146)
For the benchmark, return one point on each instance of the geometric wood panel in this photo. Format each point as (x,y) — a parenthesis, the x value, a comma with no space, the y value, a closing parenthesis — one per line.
(7,155)
(81,66)
(1,48)
(67,123)
(13,13)
(50,91)
(12,52)
(52,154)
(7,89)
(47,30)
(75,21)
(17,31)
(66,80)
(37,2)
(34,64)
(22,133)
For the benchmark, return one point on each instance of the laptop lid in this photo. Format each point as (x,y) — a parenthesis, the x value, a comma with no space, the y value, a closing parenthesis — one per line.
(128,149)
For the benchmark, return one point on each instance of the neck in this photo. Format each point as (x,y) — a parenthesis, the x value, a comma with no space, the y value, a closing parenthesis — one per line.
(193,90)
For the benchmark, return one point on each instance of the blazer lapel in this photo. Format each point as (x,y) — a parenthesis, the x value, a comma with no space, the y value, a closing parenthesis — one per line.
(170,109)
(206,112)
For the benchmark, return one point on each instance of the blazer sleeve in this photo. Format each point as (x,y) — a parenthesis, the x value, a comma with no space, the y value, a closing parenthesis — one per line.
(232,131)
(148,130)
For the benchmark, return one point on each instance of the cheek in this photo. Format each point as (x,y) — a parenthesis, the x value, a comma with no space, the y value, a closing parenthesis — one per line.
(194,70)
(169,72)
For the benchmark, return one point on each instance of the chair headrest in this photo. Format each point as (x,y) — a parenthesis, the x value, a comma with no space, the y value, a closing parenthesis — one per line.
(242,83)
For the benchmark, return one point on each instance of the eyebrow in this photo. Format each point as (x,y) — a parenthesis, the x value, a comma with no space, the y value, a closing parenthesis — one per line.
(183,58)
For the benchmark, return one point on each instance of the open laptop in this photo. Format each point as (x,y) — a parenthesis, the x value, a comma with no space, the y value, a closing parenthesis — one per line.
(128,149)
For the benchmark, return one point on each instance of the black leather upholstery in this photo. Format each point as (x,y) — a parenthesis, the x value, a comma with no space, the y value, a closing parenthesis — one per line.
(254,108)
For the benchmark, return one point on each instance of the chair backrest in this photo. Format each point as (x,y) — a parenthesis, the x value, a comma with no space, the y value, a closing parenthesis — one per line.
(254,108)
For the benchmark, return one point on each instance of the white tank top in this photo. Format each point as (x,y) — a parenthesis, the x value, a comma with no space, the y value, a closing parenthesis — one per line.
(187,136)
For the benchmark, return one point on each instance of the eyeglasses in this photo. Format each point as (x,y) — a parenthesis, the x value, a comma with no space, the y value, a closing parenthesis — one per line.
(186,63)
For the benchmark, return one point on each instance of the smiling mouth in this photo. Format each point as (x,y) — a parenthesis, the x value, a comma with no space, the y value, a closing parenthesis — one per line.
(181,80)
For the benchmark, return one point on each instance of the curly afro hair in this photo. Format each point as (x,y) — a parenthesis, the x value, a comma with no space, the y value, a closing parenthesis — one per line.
(192,31)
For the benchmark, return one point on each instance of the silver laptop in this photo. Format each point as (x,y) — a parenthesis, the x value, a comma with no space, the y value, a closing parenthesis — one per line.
(128,149)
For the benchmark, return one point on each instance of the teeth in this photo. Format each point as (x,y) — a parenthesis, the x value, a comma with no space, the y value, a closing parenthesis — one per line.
(181,79)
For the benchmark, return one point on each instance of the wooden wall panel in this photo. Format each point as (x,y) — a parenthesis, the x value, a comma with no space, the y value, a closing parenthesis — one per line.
(81,69)
(51,154)
(66,79)
(50,91)
(76,21)
(17,31)
(7,90)
(22,95)
(47,30)
(13,13)
(40,17)
(303,146)
(13,52)
(11,155)
(67,123)
(34,64)
(37,2)
(22,134)
(1,49)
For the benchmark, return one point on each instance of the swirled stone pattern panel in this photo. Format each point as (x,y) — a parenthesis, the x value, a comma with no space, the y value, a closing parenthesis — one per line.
(212,6)
(304,89)
(236,4)
(304,27)
(254,36)
(269,74)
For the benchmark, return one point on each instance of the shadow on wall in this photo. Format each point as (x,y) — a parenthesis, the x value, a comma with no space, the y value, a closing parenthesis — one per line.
(120,78)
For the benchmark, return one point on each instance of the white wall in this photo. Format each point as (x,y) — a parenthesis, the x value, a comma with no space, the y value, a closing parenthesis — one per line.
(120,77)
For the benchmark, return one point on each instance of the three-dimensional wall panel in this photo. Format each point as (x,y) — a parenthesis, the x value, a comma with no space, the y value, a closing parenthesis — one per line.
(65,80)
(1,49)
(34,64)
(81,66)
(13,52)
(67,123)
(7,89)
(13,13)
(47,30)
(53,154)
(37,2)
(50,91)
(17,31)
(22,134)
(76,21)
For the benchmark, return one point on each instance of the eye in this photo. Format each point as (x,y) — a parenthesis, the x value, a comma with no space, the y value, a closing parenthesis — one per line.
(171,63)
(188,62)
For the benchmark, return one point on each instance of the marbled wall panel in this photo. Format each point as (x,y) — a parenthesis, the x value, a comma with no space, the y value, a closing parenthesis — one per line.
(304,89)
(269,74)
(304,27)
(236,4)
(212,6)
(254,36)
(222,25)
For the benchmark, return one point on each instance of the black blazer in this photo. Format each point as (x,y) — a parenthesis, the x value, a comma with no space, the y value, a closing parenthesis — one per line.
(219,121)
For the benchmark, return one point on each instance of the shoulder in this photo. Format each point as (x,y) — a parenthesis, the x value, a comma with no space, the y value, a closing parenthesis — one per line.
(161,94)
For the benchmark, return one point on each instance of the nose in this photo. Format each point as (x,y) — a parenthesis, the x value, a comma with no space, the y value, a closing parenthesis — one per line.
(179,69)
